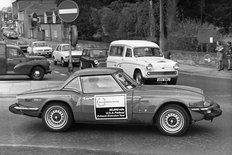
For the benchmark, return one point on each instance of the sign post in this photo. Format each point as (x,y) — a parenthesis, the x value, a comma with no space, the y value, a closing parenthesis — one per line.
(68,11)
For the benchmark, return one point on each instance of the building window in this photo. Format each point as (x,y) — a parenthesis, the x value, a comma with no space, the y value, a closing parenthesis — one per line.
(46,33)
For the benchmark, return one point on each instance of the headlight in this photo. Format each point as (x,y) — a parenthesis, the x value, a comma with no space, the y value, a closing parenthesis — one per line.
(176,66)
(149,66)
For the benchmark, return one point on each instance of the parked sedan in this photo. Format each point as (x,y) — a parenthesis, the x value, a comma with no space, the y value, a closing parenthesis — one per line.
(93,57)
(110,96)
(61,54)
(40,48)
(23,45)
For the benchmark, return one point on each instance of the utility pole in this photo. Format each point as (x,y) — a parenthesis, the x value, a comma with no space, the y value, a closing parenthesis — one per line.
(162,39)
(152,21)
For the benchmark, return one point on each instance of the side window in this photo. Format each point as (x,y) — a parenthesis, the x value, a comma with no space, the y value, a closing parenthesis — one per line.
(116,51)
(100,84)
(84,52)
(74,84)
(128,52)
(13,53)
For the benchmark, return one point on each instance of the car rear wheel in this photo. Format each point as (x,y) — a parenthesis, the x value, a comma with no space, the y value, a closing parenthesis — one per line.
(173,81)
(37,73)
(57,117)
(172,120)
(139,77)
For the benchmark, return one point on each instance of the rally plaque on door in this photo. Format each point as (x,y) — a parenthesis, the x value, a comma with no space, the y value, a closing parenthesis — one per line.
(110,106)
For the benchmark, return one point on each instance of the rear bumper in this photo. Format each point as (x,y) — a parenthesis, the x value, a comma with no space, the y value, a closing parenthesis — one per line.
(21,110)
(209,112)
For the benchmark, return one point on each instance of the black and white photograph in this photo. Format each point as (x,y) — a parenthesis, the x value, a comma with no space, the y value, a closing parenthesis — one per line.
(115,77)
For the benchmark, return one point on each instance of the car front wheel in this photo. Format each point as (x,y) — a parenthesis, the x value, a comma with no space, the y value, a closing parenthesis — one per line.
(139,77)
(54,60)
(57,117)
(172,120)
(37,73)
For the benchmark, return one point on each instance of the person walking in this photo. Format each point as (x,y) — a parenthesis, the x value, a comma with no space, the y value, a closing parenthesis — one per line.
(219,50)
(229,55)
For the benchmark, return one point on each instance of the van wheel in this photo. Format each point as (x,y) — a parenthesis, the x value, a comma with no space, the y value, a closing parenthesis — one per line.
(57,117)
(173,120)
(173,81)
(37,73)
(139,77)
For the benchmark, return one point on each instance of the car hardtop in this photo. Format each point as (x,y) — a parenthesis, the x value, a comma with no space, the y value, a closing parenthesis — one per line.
(35,42)
(12,46)
(134,43)
(95,48)
(97,71)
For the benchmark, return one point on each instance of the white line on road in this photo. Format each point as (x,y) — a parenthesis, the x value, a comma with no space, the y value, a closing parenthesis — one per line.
(63,74)
(225,95)
(56,72)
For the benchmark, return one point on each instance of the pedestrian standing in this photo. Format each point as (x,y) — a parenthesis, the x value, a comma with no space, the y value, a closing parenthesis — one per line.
(229,54)
(219,50)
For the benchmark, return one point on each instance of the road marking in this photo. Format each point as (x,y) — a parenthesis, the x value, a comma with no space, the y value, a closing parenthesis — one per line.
(56,72)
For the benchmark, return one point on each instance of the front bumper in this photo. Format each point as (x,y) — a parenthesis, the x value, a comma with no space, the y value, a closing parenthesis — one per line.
(209,112)
(23,110)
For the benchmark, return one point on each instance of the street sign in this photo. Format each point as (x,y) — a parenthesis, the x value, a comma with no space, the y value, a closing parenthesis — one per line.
(68,11)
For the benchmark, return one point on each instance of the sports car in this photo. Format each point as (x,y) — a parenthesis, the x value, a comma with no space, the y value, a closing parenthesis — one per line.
(110,96)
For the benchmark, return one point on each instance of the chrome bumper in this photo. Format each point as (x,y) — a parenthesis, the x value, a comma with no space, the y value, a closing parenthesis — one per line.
(16,109)
(209,112)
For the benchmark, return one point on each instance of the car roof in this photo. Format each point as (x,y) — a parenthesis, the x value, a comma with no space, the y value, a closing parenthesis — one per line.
(39,42)
(14,46)
(135,43)
(95,48)
(97,71)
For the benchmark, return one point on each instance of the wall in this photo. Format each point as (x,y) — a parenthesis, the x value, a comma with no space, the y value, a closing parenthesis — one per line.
(53,32)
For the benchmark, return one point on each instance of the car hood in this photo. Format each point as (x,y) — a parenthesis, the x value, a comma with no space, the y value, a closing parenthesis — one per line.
(36,58)
(158,63)
(66,53)
(169,91)
(42,48)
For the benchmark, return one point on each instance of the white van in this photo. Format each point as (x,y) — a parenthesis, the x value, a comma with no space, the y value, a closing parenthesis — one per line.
(142,60)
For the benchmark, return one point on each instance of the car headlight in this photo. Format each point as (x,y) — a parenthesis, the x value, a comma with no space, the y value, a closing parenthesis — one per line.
(176,66)
(149,66)
(95,62)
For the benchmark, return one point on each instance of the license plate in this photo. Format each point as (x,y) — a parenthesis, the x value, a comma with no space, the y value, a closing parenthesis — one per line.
(163,79)
(75,60)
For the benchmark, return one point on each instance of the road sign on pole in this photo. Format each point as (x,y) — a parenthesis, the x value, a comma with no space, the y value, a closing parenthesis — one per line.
(68,11)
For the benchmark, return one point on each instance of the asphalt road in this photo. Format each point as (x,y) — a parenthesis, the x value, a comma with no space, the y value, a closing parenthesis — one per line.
(25,135)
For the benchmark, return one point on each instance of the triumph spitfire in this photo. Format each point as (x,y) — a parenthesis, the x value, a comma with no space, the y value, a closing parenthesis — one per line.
(109,95)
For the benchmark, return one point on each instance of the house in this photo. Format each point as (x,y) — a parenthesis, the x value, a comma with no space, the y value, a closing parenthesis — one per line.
(38,19)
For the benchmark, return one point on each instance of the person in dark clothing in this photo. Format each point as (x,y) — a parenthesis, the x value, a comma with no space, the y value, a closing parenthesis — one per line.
(219,50)
(229,54)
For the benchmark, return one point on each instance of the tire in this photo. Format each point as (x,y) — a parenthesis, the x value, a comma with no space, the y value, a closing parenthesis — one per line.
(172,120)
(139,77)
(54,61)
(63,63)
(57,117)
(173,81)
(37,73)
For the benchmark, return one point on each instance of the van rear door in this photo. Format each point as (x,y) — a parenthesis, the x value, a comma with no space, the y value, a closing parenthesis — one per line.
(3,62)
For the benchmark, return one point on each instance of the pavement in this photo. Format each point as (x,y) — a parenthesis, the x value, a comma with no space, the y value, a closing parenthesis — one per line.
(10,88)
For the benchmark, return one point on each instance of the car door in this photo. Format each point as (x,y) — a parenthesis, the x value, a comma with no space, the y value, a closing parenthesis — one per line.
(15,57)
(115,56)
(128,62)
(104,100)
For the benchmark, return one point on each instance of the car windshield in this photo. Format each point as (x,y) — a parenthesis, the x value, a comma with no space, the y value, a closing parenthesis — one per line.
(66,48)
(126,80)
(40,44)
(98,53)
(147,52)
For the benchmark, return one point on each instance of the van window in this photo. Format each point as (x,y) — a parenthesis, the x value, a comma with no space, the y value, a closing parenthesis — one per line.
(14,53)
(116,51)
(128,53)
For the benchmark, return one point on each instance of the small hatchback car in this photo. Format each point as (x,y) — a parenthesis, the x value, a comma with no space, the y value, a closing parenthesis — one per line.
(108,95)
(93,57)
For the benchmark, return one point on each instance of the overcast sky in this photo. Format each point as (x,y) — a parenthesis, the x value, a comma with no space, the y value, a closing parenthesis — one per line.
(5,3)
